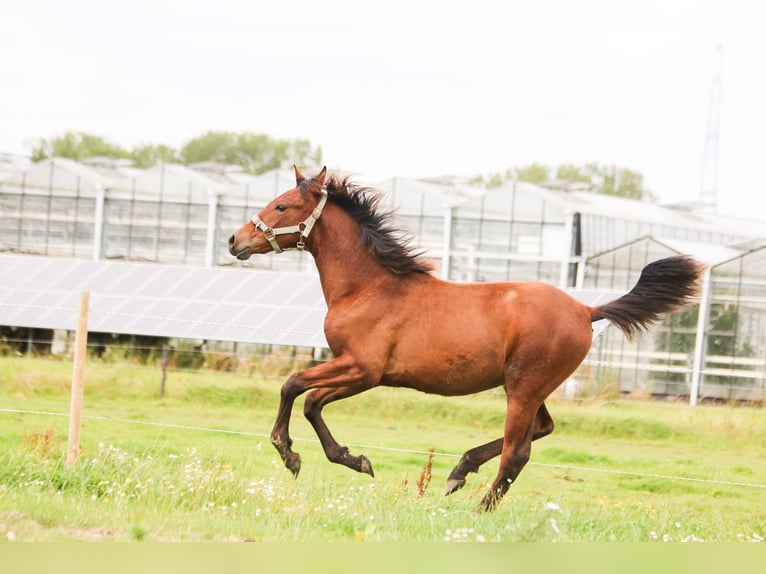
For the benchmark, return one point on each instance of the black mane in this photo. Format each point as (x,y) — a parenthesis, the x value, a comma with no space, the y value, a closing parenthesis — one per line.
(389,244)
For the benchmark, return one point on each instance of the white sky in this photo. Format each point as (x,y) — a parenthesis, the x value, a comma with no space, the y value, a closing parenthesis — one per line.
(409,88)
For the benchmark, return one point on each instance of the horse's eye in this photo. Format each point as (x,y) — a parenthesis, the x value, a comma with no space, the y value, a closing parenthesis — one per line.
(281,208)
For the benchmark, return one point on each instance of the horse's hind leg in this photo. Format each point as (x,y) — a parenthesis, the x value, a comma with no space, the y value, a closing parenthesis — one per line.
(470,462)
(312,409)
(543,423)
(517,446)
(474,458)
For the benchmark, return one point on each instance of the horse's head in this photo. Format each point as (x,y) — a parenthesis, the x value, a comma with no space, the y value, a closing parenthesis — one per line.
(284,223)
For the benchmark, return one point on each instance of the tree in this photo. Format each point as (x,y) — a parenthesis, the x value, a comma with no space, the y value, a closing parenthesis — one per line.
(605,179)
(77,145)
(575,173)
(151,154)
(489,181)
(532,173)
(256,153)
(621,181)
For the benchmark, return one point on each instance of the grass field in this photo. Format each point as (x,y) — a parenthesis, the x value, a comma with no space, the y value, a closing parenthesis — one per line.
(197,465)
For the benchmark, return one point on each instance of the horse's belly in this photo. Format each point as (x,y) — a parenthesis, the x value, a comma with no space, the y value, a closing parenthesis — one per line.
(447,372)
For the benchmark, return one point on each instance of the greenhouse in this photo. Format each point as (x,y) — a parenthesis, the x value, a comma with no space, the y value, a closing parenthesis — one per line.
(711,351)
(107,210)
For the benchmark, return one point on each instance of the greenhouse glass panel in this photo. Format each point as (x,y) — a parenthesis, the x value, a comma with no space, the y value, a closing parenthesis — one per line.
(528,203)
(494,236)
(498,203)
(735,358)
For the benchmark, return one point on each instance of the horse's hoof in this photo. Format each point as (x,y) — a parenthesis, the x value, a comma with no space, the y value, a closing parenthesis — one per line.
(489,502)
(293,463)
(453,485)
(365,466)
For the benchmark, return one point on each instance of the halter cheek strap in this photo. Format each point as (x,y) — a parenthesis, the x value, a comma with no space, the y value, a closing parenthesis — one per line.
(303,228)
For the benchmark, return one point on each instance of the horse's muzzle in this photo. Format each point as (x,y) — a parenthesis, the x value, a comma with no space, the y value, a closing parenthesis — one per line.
(240,253)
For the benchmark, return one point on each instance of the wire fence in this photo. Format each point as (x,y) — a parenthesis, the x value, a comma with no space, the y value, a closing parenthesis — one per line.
(394,449)
(266,361)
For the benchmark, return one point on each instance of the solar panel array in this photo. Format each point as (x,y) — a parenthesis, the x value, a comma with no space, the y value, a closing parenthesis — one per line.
(219,304)
(222,304)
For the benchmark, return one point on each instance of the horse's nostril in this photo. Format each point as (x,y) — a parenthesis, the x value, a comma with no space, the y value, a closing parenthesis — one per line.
(232,240)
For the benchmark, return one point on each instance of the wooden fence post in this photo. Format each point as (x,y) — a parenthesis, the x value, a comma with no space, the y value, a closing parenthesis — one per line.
(165,355)
(78,379)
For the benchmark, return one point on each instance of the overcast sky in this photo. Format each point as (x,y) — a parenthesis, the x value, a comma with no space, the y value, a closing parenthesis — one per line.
(410,88)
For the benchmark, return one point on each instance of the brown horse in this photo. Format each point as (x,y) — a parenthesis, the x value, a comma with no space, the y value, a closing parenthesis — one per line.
(391,322)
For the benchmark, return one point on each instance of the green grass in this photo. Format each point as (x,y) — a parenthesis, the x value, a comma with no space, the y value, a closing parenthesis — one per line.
(601,476)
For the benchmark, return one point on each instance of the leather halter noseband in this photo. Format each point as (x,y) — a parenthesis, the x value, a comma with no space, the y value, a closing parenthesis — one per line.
(304,227)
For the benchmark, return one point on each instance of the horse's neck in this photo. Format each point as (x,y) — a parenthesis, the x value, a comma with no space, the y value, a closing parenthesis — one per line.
(345,267)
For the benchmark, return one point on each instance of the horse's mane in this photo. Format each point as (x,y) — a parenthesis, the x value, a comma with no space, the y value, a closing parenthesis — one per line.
(389,243)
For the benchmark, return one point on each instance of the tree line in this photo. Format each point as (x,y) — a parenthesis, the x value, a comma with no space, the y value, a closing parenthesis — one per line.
(595,177)
(254,153)
(257,153)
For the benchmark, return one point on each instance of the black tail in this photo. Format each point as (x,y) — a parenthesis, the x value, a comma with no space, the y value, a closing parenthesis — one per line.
(665,286)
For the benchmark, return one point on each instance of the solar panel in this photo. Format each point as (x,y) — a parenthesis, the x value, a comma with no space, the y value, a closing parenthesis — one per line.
(163,300)
(222,304)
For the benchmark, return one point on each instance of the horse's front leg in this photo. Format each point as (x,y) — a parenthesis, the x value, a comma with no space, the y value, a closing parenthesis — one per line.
(312,409)
(280,434)
(340,373)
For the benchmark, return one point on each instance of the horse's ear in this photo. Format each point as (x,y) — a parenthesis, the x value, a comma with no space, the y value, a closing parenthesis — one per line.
(298,175)
(319,178)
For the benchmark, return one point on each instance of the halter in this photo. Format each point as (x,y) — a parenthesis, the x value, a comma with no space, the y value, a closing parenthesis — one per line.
(304,227)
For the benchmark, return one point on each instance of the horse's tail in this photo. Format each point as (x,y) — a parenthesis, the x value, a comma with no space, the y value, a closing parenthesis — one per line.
(664,286)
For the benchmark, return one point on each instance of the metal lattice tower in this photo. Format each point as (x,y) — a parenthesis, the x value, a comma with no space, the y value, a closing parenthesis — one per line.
(709,179)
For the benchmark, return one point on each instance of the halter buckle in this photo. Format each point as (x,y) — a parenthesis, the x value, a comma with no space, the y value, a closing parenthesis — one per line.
(268,232)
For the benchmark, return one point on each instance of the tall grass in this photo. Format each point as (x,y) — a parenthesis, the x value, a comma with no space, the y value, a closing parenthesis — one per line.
(601,476)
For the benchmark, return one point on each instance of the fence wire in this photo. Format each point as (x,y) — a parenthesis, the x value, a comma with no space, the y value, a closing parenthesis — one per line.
(394,449)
